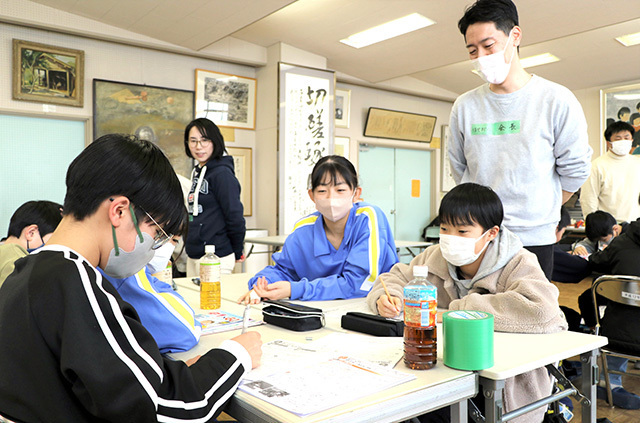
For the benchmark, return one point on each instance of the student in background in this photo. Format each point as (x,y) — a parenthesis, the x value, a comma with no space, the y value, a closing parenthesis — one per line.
(520,134)
(30,227)
(215,211)
(614,183)
(481,265)
(600,228)
(336,252)
(163,312)
(70,347)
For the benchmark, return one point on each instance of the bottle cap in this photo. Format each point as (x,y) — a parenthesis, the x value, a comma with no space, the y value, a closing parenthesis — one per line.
(209,249)
(421,271)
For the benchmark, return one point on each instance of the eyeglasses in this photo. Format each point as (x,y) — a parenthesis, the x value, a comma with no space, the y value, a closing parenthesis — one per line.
(161,237)
(204,142)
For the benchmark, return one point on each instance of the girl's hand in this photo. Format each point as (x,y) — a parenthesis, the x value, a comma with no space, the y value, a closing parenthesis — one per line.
(272,291)
(387,308)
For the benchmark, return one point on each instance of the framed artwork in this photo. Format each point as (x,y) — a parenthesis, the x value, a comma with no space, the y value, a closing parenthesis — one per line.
(343,104)
(306,119)
(243,166)
(227,100)
(382,123)
(48,74)
(156,114)
(620,103)
(446,177)
(341,147)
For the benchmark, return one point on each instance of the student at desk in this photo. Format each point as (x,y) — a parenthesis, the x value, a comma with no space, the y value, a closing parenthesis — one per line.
(336,252)
(481,265)
(71,349)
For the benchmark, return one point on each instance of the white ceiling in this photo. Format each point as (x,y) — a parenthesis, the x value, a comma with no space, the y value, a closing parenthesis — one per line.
(580,32)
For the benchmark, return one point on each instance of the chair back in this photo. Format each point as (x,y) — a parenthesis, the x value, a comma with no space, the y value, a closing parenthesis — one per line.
(619,288)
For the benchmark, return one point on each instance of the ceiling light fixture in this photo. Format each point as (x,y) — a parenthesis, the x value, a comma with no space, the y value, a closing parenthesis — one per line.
(629,39)
(388,30)
(538,59)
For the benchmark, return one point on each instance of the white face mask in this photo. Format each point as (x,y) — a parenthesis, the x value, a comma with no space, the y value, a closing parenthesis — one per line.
(493,68)
(161,257)
(460,251)
(334,208)
(621,147)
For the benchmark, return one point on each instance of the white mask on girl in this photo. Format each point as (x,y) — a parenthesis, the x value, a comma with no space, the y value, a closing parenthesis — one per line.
(460,251)
(493,68)
(334,208)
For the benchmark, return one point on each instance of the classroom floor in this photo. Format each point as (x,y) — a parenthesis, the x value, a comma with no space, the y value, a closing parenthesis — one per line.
(569,297)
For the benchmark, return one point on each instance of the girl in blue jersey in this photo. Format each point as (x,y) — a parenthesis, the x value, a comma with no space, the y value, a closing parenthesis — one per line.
(336,252)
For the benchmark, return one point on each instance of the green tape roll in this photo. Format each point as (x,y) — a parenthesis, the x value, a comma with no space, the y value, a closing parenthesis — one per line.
(468,339)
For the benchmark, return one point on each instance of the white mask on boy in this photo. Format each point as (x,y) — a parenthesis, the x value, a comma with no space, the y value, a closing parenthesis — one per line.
(460,251)
(493,68)
(621,147)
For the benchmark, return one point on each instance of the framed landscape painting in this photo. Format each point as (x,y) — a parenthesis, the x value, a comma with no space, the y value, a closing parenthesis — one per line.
(156,114)
(48,74)
(227,100)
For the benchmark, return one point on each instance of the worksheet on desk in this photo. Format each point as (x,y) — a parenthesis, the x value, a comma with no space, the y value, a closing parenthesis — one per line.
(307,378)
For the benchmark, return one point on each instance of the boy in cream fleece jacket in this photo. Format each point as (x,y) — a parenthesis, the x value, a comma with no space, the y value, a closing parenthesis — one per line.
(481,265)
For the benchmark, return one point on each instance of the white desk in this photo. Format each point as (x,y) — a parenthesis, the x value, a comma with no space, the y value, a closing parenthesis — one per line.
(275,242)
(514,354)
(432,389)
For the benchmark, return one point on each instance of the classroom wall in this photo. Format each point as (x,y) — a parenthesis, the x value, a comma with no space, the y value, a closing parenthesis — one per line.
(117,62)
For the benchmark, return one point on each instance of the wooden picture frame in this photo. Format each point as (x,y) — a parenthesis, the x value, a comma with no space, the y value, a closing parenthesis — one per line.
(156,114)
(341,146)
(343,106)
(383,123)
(620,103)
(48,74)
(243,166)
(446,176)
(228,100)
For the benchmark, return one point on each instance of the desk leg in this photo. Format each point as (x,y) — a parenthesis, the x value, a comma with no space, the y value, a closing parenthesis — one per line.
(459,412)
(590,376)
(493,407)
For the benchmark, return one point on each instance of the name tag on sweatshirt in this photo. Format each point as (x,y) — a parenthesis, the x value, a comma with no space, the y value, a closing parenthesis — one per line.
(498,128)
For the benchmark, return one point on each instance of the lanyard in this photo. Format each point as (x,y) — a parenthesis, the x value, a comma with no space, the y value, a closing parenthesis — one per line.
(196,194)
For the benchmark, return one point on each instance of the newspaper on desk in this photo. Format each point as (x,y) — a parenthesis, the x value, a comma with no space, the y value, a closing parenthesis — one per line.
(312,377)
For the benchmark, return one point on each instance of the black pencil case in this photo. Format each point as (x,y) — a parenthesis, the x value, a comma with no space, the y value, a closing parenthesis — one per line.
(372,324)
(291,316)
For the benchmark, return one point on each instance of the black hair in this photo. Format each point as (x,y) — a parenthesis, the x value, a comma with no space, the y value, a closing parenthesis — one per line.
(45,214)
(565,219)
(468,204)
(210,131)
(598,224)
(118,164)
(616,127)
(623,110)
(638,106)
(503,13)
(333,166)
(633,117)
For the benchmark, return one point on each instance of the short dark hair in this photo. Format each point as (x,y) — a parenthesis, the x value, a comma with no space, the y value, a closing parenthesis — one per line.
(333,166)
(503,13)
(118,164)
(623,110)
(598,224)
(565,219)
(46,214)
(633,117)
(616,127)
(208,130)
(469,203)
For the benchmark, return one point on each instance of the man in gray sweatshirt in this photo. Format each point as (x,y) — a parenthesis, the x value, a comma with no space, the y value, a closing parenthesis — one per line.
(520,134)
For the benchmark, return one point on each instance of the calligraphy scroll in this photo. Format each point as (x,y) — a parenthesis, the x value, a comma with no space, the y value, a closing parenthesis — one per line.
(305,126)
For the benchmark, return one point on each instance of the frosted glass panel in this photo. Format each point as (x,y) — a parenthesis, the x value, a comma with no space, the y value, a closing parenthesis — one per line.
(34,156)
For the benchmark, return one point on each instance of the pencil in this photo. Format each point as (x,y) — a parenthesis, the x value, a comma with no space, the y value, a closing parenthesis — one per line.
(386,291)
(245,318)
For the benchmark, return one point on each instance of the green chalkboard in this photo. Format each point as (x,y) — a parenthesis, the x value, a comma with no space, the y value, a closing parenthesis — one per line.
(35,153)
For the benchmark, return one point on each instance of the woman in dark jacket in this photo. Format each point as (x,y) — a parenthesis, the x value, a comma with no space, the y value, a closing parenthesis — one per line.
(215,211)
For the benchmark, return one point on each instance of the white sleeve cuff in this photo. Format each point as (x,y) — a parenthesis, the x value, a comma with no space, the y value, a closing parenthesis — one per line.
(239,352)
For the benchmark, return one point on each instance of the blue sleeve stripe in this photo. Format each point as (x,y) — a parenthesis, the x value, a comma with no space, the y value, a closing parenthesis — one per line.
(374,245)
